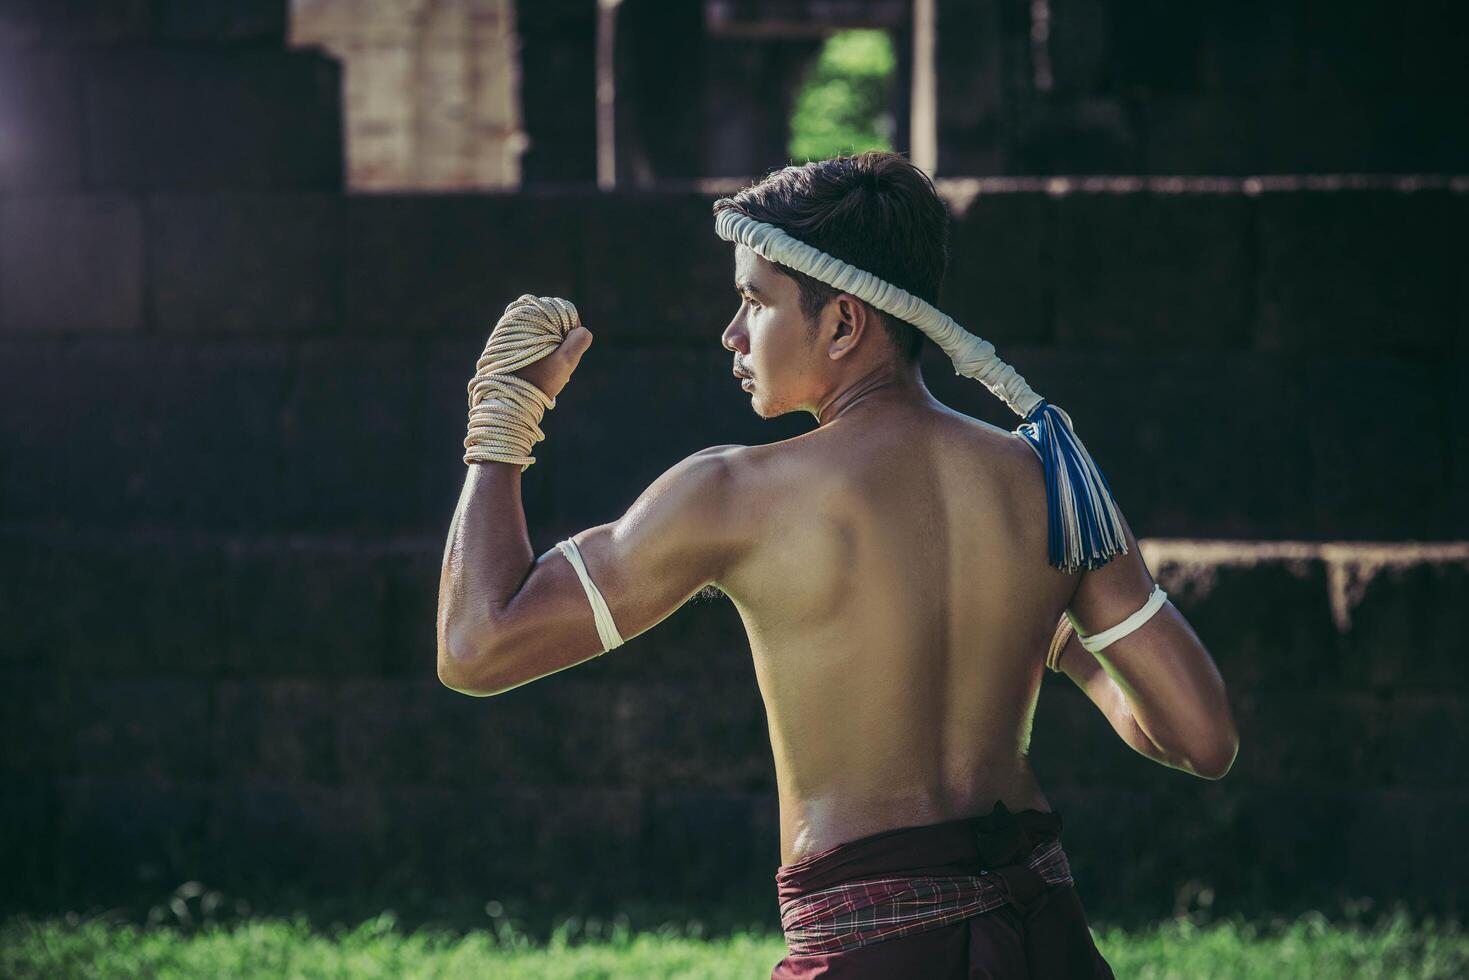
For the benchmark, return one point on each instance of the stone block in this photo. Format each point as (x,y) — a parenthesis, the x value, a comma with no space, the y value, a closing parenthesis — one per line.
(206,118)
(303,611)
(349,437)
(227,21)
(1156,47)
(69,606)
(559,730)
(1079,134)
(47,24)
(449,265)
(598,434)
(412,602)
(1201,134)
(647,255)
(155,456)
(710,838)
(709,735)
(275,730)
(1355,495)
(153,730)
(28,842)
(1449,374)
(997,285)
(1406,619)
(1079,45)
(289,832)
(128,832)
(1367,270)
(1310,739)
(1231,403)
(114,605)
(34,723)
(207,469)
(1421,730)
(1252,46)
(40,122)
(245,263)
(71,263)
(1157,270)
(1263,611)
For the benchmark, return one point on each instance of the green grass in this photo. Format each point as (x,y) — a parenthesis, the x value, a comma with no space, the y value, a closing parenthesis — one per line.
(71,946)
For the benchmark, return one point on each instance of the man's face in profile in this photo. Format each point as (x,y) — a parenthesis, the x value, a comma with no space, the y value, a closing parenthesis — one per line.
(769,338)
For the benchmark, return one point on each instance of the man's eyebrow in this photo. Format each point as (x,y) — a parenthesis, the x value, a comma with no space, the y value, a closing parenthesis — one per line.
(746,286)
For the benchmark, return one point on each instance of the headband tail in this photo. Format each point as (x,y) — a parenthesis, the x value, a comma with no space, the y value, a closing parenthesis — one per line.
(1083,524)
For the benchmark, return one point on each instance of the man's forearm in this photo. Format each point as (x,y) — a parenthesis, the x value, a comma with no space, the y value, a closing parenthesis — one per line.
(486,558)
(1087,673)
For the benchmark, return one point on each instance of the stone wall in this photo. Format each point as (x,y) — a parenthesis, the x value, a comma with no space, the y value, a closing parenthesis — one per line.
(232,404)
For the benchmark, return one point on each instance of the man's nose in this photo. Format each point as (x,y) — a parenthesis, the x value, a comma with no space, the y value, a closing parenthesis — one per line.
(733,338)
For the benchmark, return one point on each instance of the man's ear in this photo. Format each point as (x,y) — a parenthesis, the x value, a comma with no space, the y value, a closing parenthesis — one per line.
(852,324)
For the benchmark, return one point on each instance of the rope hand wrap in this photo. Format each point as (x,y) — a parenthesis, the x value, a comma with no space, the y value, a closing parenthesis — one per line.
(1084,528)
(505,411)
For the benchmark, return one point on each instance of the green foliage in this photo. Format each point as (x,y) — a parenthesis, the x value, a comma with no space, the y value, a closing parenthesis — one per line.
(1308,946)
(843,104)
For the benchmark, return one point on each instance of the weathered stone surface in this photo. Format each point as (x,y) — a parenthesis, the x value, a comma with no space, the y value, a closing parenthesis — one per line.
(28,841)
(151,730)
(43,23)
(1263,610)
(711,734)
(40,92)
(281,729)
(349,439)
(253,21)
(449,265)
(1372,270)
(656,271)
(996,287)
(714,839)
(1153,270)
(247,118)
(245,263)
(559,731)
(71,263)
(128,831)
(303,612)
(1406,618)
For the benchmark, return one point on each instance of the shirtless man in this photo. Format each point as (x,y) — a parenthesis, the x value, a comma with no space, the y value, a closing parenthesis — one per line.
(889,567)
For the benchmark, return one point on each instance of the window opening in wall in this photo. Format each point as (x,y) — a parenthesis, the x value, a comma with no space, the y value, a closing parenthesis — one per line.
(844,104)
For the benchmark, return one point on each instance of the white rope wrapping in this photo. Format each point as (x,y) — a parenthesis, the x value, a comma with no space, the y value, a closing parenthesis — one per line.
(1107,637)
(973,357)
(505,411)
(606,626)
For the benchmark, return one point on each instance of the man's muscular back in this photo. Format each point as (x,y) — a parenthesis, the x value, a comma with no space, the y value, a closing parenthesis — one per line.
(898,604)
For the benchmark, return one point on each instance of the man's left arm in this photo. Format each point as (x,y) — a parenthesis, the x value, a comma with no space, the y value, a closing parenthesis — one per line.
(506,618)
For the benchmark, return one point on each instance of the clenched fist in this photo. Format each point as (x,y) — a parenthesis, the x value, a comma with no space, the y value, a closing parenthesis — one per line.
(551,372)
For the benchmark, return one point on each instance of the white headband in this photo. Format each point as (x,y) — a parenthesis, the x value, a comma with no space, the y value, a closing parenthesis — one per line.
(1084,526)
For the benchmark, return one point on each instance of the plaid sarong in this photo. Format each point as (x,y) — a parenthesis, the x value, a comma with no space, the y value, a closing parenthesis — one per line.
(866,911)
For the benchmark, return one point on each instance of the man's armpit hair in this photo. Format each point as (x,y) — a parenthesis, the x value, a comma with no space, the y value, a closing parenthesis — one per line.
(708,592)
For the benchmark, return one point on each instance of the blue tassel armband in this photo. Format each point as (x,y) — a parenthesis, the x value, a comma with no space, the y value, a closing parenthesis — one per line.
(1084,528)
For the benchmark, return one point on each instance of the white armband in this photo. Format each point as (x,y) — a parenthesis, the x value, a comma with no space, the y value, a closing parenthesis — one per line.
(1107,637)
(606,627)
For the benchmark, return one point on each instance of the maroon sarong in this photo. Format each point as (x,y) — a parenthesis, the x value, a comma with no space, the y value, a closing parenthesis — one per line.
(983,897)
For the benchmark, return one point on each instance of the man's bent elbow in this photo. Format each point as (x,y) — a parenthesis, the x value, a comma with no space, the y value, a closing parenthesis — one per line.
(466,676)
(1218,760)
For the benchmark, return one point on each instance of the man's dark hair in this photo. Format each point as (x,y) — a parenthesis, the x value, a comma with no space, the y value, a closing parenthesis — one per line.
(874,210)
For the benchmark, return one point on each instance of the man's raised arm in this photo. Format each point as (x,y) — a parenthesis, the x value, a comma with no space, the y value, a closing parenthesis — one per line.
(1157,685)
